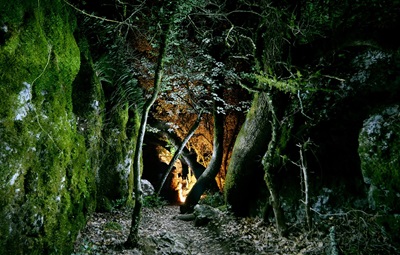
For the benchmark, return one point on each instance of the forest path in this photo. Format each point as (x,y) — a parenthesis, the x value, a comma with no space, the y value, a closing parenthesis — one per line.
(162,233)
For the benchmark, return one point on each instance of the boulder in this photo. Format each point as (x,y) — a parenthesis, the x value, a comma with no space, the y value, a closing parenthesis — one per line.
(204,214)
(147,188)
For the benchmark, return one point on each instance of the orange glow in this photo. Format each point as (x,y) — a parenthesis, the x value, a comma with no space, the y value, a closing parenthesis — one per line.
(182,198)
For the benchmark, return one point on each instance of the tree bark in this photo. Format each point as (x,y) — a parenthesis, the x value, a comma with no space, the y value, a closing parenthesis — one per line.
(208,176)
(281,123)
(179,151)
(245,172)
(133,237)
(269,161)
(189,158)
(305,185)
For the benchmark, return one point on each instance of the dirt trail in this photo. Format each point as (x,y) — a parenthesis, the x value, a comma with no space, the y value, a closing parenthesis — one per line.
(163,234)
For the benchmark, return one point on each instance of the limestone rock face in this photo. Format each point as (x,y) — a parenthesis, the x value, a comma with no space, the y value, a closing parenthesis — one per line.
(50,124)
(59,159)
(379,150)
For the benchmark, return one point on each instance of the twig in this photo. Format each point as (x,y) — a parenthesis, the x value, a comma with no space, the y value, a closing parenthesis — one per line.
(33,108)
(49,49)
(227,36)
(91,15)
(301,105)
(303,168)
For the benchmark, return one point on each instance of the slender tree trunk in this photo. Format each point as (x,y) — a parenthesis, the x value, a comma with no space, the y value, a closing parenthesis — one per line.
(133,238)
(208,177)
(269,162)
(189,158)
(305,184)
(179,151)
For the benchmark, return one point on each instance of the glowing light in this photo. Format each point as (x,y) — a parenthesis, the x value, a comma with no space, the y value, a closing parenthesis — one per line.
(182,198)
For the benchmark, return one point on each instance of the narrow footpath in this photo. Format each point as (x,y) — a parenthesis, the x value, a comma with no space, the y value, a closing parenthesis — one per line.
(163,233)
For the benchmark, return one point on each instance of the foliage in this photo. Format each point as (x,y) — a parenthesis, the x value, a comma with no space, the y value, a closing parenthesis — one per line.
(85,248)
(114,62)
(213,199)
(356,232)
(154,201)
(118,204)
(112,225)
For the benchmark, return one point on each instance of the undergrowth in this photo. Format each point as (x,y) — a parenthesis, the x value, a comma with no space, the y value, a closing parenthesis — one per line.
(213,199)
(154,201)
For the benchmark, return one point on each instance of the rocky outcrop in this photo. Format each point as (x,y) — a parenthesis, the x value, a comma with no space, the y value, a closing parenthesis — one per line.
(380,159)
(47,173)
(380,164)
(329,112)
(51,127)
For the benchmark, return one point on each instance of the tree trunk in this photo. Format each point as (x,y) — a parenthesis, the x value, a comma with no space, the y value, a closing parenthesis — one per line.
(208,176)
(189,158)
(245,173)
(305,185)
(281,123)
(133,238)
(269,161)
(179,151)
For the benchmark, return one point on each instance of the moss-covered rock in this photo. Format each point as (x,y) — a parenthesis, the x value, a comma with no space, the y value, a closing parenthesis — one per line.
(379,150)
(114,179)
(47,171)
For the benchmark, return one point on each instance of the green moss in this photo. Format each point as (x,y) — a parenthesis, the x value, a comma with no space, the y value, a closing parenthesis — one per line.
(47,171)
(115,171)
(391,223)
(112,225)
(51,155)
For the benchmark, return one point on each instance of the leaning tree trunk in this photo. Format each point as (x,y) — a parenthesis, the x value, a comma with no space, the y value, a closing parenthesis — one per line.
(208,177)
(133,238)
(189,158)
(244,167)
(179,151)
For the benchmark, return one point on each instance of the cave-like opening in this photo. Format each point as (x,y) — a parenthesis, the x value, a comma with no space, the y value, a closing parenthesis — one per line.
(155,164)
